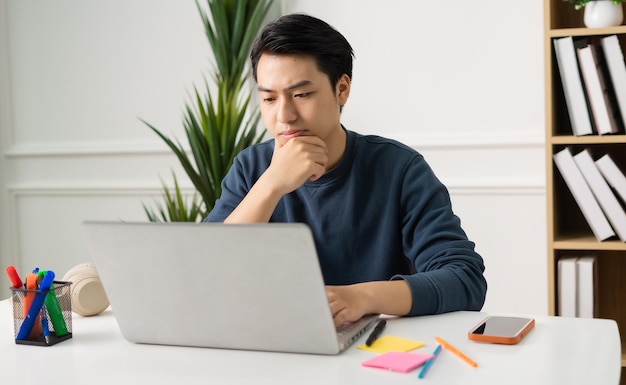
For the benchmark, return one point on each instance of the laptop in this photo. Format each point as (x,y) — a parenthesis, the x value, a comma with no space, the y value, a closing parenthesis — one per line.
(243,286)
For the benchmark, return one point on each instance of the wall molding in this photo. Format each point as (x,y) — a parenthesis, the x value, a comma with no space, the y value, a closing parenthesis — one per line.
(423,141)
(473,139)
(116,189)
(77,149)
(461,185)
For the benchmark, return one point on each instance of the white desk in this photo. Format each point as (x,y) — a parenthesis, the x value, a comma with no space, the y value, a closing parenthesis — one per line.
(557,351)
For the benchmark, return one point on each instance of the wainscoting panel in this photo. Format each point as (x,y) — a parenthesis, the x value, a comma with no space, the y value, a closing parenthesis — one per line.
(497,191)
(46,230)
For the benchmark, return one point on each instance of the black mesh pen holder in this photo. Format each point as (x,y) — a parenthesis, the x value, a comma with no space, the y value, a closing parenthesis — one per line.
(51,324)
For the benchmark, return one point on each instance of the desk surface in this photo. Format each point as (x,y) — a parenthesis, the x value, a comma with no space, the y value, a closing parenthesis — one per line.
(557,351)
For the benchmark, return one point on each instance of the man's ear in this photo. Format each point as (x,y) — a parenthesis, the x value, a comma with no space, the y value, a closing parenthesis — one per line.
(343,89)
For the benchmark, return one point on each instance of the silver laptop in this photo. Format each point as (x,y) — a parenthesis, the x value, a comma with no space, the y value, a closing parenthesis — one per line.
(252,287)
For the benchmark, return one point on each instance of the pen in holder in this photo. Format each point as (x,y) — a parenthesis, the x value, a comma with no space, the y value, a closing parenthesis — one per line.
(51,308)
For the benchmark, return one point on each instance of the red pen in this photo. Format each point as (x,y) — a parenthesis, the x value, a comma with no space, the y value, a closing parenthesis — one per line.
(16,282)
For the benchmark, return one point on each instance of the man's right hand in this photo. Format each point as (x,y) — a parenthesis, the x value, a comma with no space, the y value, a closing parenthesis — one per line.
(293,163)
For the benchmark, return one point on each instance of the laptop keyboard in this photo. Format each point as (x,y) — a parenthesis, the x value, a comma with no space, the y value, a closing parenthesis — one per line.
(354,329)
(347,329)
(347,334)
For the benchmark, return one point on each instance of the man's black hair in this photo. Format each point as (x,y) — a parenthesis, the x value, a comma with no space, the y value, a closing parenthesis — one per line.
(307,35)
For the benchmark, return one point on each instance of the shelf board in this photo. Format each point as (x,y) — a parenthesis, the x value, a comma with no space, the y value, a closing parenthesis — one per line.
(587,139)
(586,242)
(564,32)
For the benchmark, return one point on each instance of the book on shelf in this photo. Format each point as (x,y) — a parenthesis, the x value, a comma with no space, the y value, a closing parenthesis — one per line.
(604,110)
(586,287)
(582,194)
(613,175)
(575,99)
(566,275)
(577,289)
(614,58)
(602,191)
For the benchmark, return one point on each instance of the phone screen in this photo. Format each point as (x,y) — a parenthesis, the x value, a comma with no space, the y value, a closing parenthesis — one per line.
(501,326)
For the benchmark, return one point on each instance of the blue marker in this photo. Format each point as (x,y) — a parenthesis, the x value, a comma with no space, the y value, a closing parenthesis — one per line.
(429,362)
(35,306)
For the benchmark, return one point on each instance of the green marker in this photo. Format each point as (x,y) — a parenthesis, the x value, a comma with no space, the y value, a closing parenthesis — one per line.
(54,310)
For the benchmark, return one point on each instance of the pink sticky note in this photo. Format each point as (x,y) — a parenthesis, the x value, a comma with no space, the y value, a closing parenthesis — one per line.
(398,361)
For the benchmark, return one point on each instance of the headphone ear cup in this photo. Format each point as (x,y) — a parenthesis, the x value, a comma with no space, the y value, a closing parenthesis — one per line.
(83,268)
(87,293)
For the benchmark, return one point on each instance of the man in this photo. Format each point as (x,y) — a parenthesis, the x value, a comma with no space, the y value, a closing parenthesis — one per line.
(387,238)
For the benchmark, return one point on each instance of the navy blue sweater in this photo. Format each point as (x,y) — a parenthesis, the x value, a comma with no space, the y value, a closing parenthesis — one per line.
(380,214)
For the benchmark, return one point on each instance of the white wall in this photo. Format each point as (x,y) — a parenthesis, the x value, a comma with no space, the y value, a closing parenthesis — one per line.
(460,81)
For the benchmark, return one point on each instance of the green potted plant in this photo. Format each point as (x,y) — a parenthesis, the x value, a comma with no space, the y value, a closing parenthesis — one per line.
(600,13)
(578,4)
(217,125)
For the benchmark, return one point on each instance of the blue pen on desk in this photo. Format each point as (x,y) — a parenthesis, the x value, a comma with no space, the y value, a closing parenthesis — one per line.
(429,362)
(35,306)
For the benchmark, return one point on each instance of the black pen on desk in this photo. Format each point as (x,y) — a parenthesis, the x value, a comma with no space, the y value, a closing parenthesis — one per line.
(378,329)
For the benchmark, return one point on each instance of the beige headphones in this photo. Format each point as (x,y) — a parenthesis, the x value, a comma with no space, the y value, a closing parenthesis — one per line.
(87,294)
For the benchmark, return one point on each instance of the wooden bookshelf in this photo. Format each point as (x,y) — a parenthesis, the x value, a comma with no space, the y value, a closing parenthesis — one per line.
(568,232)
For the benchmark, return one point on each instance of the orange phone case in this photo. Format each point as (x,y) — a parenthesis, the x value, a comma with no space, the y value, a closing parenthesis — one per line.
(502,339)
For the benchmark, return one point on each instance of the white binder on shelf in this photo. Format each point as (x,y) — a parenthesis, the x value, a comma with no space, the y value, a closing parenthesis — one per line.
(605,117)
(586,278)
(613,175)
(601,190)
(575,99)
(582,194)
(567,287)
(614,58)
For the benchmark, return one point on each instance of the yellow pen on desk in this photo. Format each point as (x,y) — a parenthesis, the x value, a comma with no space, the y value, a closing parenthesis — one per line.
(456,352)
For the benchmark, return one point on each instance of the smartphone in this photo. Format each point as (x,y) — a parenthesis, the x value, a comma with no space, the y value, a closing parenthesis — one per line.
(501,329)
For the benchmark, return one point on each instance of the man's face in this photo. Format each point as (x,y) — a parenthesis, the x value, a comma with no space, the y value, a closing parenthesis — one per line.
(297,98)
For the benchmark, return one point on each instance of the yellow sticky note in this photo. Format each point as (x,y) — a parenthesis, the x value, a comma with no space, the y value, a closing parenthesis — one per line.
(392,344)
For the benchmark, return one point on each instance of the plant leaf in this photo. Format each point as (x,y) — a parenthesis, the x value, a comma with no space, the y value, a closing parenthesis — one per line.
(217,125)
